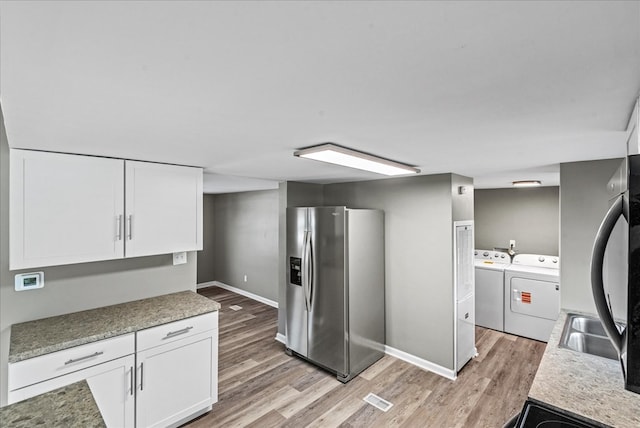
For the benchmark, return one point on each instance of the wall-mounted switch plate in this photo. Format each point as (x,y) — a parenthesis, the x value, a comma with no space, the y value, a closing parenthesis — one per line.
(180,258)
(245,278)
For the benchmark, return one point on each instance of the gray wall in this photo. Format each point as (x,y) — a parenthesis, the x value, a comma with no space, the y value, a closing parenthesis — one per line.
(76,287)
(583,203)
(419,212)
(530,216)
(462,204)
(245,241)
(206,255)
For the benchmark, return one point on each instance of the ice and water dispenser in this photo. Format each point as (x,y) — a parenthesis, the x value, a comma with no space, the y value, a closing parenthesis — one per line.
(295,270)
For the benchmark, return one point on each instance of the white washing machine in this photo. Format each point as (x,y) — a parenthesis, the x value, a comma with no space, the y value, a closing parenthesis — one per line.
(532,295)
(490,266)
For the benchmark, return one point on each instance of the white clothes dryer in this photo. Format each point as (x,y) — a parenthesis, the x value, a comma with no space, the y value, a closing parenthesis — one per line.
(490,266)
(532,296)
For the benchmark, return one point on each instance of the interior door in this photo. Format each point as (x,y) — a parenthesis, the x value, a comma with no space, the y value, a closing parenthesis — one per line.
(327,329)
(296,306)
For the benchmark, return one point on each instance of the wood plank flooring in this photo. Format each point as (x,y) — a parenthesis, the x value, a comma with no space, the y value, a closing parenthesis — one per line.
(260,386)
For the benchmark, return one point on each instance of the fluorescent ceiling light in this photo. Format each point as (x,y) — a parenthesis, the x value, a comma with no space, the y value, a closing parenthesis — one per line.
(527,183)
(338,155)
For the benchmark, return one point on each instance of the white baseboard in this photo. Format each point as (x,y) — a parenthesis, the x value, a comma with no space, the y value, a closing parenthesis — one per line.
(238,291)
(421,363)
(205,285)
(404,356)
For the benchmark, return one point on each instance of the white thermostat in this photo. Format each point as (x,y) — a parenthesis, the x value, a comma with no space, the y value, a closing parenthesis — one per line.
(29,281)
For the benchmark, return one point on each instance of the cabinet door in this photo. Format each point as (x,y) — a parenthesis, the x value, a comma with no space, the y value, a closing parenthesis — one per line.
(177,381)
(164,208)
(112,385)
(64,209)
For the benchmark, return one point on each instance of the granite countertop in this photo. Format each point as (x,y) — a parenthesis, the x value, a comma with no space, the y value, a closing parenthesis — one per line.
(69,406)
(43,336)
(583,384)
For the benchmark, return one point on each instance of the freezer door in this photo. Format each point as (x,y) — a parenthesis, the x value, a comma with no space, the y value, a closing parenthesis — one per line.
(296,325)
(327,333)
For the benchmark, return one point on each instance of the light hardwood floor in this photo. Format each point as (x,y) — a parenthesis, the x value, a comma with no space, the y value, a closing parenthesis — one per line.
(260,386)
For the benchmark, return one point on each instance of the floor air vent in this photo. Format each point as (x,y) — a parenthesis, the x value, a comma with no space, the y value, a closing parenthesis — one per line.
(377,402)
(235,307)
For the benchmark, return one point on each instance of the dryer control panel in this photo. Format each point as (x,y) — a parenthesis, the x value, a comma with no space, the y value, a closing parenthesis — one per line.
(538,260)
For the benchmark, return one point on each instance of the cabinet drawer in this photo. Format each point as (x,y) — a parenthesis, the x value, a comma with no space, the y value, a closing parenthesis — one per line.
(44,367)
(167,333)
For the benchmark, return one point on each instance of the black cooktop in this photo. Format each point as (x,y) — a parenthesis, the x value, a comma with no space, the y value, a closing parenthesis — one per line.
(535,415)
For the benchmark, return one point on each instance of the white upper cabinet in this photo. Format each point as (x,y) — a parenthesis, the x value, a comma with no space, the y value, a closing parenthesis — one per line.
(64,209)
(163,208)
(67,208)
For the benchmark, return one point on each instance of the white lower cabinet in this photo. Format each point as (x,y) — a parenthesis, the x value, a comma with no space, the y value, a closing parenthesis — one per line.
(177,381)
(158,377)
(112,381)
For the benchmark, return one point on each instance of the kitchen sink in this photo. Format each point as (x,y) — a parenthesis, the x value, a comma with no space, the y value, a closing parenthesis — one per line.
(589,344)
(583,333)
(588,325)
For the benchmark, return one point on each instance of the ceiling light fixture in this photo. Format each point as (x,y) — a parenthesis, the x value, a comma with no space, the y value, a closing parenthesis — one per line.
(339,155)
(527,183)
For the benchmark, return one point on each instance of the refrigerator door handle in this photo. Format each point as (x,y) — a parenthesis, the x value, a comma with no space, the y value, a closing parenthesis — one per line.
(597,283)
(305,269)
(310,280)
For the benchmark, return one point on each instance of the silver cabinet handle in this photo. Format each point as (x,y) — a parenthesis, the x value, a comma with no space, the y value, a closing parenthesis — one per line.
(177,333)
(75,360)
(141,376)
(129,235)
(132,386)
(118,227)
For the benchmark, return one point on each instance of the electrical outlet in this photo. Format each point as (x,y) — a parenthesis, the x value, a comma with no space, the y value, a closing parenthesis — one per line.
(179,258)
(512,243)
(245,278)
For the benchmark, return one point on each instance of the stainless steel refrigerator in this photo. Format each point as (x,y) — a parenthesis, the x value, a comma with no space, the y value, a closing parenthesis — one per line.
(335,287)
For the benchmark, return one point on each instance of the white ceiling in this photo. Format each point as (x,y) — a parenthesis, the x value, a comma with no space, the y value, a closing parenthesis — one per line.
(492,90)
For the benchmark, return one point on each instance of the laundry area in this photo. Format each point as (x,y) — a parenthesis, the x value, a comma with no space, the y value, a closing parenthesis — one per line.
(517,263)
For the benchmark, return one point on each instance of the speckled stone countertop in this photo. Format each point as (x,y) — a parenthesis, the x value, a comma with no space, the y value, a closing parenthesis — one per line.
(583,384)
(43,336)
(70,406)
